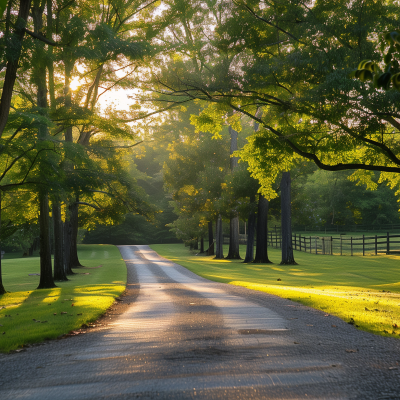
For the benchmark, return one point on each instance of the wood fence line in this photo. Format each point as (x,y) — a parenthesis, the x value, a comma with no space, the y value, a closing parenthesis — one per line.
(342,245)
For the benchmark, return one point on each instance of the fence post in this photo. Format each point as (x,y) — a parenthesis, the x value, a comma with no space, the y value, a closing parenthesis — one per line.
(388,243)
(376,244)
(323,244)
(341,242)
(310,245)
(351,245)
(316,248)
(363,245)
(331,246)
(300,240)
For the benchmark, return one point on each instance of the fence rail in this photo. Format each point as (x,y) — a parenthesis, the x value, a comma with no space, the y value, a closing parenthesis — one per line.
(346,228)
(343,245)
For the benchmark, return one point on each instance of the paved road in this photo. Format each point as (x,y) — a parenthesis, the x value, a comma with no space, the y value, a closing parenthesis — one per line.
(184,337)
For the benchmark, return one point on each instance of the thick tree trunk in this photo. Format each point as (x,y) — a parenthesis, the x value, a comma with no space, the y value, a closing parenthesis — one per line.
(2,290)
(210,251)
(201,245)
(46,272)
(59,271)
(251,230)
(74,260)
(12,63)
(39,76)
(233,253)
(219,240)
(286,220)
(262,232)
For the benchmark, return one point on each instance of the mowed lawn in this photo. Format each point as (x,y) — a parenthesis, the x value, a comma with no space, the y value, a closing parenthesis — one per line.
(364,291)
(28,315)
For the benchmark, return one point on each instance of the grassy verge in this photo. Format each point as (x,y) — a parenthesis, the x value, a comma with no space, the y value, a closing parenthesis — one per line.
(28,315)
(364,291)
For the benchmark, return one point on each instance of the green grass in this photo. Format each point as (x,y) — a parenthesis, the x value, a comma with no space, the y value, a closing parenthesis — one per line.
(28,315)
(360,290)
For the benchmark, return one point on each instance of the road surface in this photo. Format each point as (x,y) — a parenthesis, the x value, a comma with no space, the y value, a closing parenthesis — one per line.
(184,337)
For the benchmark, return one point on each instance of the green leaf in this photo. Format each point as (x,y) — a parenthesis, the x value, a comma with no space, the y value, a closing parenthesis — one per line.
(363,64)
(396,81)
(364,75)
(384,80)
(388,58)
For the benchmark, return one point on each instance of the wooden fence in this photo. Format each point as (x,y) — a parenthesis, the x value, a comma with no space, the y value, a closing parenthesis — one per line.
(343,245)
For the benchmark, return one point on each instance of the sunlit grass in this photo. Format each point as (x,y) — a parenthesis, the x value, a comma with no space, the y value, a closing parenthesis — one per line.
(364,291)
(28,315)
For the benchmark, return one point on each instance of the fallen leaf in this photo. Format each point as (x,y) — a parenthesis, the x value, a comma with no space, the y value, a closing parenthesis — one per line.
(351,351)
(334,326)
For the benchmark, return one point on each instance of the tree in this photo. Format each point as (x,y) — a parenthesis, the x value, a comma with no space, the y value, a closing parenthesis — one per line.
(11,49)
(293,61)
(72,33)
(286,218)
(262,232)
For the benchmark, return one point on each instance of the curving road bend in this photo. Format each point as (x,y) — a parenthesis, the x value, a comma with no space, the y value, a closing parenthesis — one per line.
(185,337)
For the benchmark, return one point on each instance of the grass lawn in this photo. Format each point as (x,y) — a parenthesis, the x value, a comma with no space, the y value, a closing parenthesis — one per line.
(28,315)
(364,291)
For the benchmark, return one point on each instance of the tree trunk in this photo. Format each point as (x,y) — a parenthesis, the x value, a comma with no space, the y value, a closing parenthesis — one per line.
(46,273)
(2,290)
(201,245)
(219,240)
(74,260)
(39,77)
(59,271)
(251,228)
(67,243)
(210,251)
(286,220)
(233,253)
(12,63)
(262,232)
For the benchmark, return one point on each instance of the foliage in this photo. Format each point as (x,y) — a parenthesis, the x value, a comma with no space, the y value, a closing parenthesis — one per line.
(329,198)
(286,66)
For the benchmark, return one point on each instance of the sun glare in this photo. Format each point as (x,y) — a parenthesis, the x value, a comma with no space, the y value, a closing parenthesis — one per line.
(75,84)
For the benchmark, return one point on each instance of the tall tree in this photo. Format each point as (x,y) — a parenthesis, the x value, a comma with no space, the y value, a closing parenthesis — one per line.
(233,253)
(286,218)
(13,52)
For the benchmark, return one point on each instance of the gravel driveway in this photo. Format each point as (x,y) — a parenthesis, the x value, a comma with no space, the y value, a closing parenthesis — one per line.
(175,335)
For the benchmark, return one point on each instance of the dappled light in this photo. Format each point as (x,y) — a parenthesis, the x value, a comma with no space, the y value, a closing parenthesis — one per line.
(349,287)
